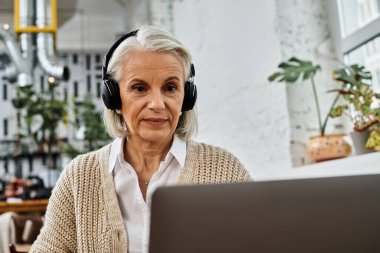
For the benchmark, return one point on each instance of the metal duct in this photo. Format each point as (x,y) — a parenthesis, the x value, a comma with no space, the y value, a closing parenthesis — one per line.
(12,48)
(20,66)
(11,72)
(45,44)
(27,10)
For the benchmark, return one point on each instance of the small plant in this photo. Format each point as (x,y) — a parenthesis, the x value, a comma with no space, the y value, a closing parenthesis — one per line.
(295,69)
(362,104)
(42,114)
(88,120)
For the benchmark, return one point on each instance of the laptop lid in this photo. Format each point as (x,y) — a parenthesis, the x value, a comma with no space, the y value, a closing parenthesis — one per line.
(326,215)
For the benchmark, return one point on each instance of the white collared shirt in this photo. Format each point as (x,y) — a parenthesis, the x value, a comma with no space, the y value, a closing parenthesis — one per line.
(135,211)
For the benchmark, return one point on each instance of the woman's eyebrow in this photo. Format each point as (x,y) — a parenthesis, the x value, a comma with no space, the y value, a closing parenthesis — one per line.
(136,80)
(172,78)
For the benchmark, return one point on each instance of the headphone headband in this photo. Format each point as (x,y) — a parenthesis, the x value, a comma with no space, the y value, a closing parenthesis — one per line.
(110,52)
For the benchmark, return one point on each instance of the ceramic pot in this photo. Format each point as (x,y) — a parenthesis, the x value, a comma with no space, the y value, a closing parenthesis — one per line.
(359,139)
(328,147)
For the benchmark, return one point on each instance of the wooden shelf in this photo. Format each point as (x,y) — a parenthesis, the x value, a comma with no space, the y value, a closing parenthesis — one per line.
(26,206)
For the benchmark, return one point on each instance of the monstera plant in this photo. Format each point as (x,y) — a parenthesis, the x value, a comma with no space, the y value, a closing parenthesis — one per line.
(295,70)
(320,147)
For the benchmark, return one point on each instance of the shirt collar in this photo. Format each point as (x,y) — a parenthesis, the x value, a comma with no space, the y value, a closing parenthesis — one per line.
(177,149)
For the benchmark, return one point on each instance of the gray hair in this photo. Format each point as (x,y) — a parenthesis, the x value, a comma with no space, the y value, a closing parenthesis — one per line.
(152,39)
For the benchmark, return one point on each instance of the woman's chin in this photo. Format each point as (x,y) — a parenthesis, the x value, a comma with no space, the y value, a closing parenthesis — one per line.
(156,135)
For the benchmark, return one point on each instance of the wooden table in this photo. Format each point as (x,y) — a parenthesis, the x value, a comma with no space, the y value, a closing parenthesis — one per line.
(26,206)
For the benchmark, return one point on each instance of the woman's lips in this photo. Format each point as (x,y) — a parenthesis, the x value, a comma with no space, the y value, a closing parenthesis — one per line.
(155,121)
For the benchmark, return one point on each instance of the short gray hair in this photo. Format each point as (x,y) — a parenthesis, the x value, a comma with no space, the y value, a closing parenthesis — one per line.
(152,39)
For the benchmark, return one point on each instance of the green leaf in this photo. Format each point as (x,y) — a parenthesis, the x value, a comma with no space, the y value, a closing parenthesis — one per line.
(274,76)
(294,69)
(338,111)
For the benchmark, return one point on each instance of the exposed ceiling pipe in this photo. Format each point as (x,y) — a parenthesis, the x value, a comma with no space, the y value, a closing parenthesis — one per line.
(27,16)
(33,22)
(19,65)
(11,72)
(46,55)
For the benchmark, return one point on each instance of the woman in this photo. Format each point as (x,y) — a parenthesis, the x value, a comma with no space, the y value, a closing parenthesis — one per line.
(101,202)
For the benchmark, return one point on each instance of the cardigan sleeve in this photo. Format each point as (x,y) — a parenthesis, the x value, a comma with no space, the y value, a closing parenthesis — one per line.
(237,171)
(59,233)
(210,164)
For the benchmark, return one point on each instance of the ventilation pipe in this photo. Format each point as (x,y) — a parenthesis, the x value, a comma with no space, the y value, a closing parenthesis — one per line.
(11,72)
(35,22)
(26,15)
(46,55)
(19,67)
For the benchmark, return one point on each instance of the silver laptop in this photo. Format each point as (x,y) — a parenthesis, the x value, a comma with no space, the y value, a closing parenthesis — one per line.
(325,215)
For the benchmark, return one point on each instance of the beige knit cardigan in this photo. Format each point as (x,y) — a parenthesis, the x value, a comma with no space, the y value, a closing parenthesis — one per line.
(83,214)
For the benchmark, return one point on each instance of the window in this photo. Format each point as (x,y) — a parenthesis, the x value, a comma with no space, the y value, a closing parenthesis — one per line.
(18,115)
(65,94)
(5,127)
(42,83)
(5,91)
(75,58)
(354,15)
(30,161)
(88,61)
(76,92)
(98,89)
(367,55)
(98,58)
(358,29)
(88,83)
(6,167)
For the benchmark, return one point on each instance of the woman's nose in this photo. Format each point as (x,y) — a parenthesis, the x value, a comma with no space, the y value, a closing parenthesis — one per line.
(156,101)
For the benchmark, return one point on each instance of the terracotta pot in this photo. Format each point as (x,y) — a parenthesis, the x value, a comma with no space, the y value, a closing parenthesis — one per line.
(328,147)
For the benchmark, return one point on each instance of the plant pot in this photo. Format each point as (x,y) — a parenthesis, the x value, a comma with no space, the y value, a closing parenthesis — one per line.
(328,147)
(359,139)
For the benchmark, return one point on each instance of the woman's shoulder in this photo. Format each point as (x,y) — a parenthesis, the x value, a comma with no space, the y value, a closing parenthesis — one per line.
(87,162)
(200,148)
(211,160)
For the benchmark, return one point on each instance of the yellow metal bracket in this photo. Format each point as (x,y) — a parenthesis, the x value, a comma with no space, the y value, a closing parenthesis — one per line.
(34,29)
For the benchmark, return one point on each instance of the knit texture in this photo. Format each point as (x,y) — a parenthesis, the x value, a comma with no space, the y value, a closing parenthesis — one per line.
(83,214)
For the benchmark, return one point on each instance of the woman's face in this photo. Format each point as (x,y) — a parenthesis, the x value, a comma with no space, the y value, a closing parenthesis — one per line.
(151,91)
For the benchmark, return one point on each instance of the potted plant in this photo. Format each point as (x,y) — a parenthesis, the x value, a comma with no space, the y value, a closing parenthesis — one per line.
(361,104)
(88,123)
(321,147)
(42,113)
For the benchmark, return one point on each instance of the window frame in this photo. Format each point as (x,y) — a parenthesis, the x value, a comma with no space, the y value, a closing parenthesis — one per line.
(354,40)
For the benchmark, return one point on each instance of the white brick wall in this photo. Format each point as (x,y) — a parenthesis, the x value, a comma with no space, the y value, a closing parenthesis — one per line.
(235,47)
(162,14)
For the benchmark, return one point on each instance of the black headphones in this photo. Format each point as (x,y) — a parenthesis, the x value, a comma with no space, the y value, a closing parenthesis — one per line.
(110,88)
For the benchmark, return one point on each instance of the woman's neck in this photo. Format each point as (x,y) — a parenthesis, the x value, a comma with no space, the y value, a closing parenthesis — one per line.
(145,156)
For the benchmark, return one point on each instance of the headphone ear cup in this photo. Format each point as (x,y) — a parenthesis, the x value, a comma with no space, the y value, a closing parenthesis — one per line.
(111,94)
(190,96)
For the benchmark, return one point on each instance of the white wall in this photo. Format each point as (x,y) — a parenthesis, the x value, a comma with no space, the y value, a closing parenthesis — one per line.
(235,47)
(93,27)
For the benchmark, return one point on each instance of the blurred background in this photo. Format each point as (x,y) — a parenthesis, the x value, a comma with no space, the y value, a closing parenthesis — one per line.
(291,87)
(51,55)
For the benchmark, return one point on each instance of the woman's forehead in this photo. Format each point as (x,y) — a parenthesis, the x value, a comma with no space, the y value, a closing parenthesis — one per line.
(141,61)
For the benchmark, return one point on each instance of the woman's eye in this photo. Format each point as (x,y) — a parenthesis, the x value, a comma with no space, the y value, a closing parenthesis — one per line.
(139,88)
(171,87)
